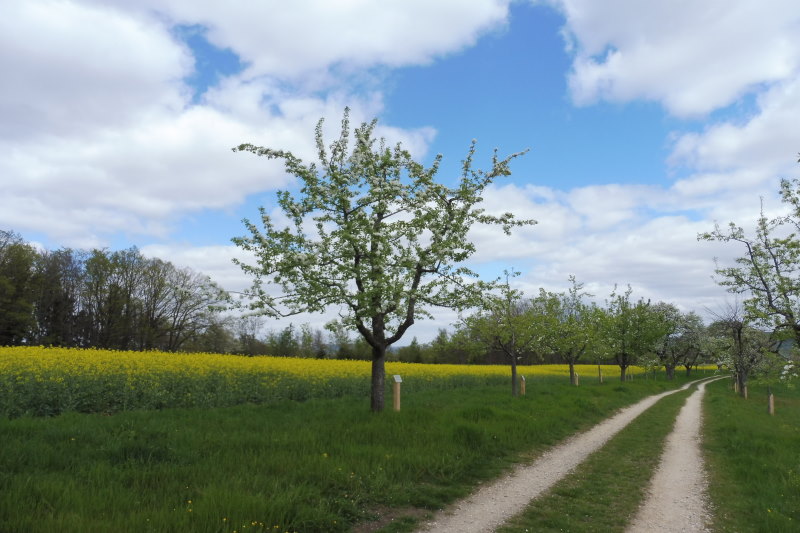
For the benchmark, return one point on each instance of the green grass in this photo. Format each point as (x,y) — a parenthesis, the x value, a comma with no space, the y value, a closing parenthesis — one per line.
(605,491)
(753,459)
(320,465)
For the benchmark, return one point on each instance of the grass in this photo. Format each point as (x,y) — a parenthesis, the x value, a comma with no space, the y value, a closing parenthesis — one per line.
(753,458)
(314,466)
(604,492)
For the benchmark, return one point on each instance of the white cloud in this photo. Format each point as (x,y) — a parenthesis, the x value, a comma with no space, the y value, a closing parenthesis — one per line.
(764,145)
(693,57)
(291,40)
(70,67)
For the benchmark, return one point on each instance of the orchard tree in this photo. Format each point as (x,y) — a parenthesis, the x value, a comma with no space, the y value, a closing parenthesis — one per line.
(629,329)
(769,269)
(747,346)
(508,323)
(707,350)
(679,343)
(372,233)
(570,324)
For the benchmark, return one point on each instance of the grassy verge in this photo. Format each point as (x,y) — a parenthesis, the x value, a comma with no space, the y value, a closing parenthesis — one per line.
(320,465)
(753,459)
(604,492)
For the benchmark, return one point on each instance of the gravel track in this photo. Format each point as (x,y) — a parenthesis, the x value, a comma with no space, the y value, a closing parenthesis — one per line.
(677,498)
(495,503)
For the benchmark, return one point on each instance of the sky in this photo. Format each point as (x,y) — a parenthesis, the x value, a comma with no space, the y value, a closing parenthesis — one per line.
(646,124)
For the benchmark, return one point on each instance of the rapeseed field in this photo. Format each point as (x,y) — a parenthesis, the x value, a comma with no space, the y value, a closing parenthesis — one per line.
(49,381)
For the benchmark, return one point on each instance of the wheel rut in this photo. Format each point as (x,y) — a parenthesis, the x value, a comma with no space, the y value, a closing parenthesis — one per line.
(677,498)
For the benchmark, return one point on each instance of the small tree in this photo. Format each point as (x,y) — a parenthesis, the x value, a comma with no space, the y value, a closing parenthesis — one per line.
(679,343)
(372,233)
(507,323)
(747,346)
(570,324)
(629,329)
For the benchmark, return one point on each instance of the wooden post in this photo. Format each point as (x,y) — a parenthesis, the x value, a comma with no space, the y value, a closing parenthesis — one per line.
(577,379)
(599,373)
(745,392)
(396,390)
(771,402)
(522,385)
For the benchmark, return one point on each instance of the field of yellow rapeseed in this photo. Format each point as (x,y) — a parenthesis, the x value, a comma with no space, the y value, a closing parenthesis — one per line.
(47,381)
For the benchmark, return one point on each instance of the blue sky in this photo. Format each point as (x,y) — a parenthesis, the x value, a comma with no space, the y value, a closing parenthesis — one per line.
(645,123)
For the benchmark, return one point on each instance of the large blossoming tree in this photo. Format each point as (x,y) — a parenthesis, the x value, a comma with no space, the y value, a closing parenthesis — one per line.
(370,232)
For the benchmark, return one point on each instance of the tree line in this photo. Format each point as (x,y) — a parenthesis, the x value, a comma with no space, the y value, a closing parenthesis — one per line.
(100,298)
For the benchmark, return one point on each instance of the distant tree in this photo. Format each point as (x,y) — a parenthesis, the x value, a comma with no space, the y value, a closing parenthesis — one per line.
(338,339)
(508,323)
(570,324)
(194,300)
(707,350)
(629,329)
(17,289)
(155,295)
(679,342)
(411,353)
(248,329)
(58,297)
(305,341)
(104,301)
(217,337)
(445,348)
(747,346)
(386,243)
(284,343)
(319,346)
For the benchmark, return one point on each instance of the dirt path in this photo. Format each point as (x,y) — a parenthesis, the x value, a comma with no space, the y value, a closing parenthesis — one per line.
(495,503)
(677,495)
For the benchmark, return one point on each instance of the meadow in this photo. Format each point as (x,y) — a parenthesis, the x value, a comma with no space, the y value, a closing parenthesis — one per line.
(754,458)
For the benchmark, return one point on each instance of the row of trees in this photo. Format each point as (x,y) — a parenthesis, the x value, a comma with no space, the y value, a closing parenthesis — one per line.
(572,329)
(102,299)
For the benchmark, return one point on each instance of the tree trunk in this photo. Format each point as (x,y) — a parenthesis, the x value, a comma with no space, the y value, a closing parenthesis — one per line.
(670,372)
(688,371)
(378,378)
(623,370)
(514,375)
(741,379)
(572,373)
